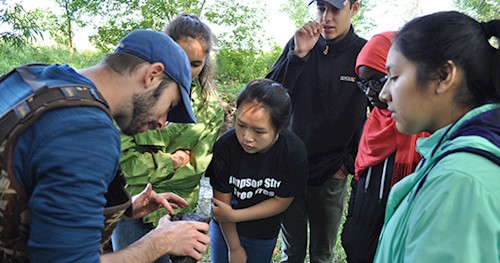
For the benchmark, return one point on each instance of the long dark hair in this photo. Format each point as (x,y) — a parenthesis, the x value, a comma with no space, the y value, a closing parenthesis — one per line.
(431,40)
(187,25)
(272,96)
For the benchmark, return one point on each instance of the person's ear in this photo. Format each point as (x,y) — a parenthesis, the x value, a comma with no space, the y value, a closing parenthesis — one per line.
(154,75)
(355,8)
(448,77)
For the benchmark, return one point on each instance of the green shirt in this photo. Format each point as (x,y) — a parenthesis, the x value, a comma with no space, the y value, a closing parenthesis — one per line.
(455,215)
(146,156)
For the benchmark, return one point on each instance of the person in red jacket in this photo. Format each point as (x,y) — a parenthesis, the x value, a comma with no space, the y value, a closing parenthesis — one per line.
(384,156)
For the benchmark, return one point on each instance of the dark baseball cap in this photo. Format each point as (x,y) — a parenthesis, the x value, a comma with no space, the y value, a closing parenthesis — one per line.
(154,46)
(339,4)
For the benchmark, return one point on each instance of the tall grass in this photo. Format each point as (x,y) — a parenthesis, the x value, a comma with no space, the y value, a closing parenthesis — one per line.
(13,56)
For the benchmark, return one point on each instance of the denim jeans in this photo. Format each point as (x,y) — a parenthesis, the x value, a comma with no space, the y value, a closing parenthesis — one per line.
(130,230)
(258,250)
(322,207)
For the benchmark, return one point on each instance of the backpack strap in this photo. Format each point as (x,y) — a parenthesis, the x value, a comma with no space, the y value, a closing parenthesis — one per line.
(44,99)
(28,77)
(26,112)
(22,116)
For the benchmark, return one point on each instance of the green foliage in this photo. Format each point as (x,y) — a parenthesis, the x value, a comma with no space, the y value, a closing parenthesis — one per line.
(228,91)
(361,21)
(122,16)
(236,67)
(241,24)
(242,65)
(482,10)
(13,56)
(298,12)
(240,56)
(240,43)
(24,24)
(62,27)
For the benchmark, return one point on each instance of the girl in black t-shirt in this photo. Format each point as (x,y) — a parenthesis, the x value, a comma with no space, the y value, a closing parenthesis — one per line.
(257,169)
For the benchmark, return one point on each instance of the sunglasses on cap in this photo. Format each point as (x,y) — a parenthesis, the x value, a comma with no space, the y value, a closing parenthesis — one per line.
(375,85)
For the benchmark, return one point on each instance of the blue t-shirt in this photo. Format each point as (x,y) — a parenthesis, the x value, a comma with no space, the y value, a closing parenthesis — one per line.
(65,162)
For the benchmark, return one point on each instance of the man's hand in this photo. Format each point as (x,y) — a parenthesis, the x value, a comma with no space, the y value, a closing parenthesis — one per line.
(148,201)
(223,212)
(181,238)
(180,158)
(306,37)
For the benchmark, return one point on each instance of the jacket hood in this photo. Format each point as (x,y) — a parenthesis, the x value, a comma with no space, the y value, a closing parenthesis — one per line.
(481,124)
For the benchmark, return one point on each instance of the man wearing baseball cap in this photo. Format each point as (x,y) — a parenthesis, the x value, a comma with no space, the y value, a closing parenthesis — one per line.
(339,4)
(317,67)
(61,171)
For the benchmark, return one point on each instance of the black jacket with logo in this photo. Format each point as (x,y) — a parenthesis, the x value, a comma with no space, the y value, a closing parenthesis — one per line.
(328,108)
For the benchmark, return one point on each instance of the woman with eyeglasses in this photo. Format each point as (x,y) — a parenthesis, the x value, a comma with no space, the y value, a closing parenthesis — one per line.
(444,78)
(384,156)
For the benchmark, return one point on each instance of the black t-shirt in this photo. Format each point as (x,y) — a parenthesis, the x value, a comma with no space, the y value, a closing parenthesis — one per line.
(253,178)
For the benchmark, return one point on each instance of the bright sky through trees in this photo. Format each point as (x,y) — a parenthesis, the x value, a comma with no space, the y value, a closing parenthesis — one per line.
(389,15)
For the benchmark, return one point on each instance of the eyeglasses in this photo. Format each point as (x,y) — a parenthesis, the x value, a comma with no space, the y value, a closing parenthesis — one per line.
(375,85)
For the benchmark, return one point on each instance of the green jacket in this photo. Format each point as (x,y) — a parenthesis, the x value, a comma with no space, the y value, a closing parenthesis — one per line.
(146,156)
(454,215)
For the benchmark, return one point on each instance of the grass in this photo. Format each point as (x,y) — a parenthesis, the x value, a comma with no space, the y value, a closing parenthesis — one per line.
(13,56)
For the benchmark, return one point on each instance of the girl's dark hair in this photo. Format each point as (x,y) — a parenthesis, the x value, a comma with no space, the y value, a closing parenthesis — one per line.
(270,95)
(187,25)
(431,40)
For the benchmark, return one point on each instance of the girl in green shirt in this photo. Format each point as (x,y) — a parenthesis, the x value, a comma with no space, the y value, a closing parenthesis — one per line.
(175,159)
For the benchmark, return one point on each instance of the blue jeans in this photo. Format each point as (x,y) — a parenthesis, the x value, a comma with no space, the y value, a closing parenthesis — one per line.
(258,250)
(130,230)
(322,207)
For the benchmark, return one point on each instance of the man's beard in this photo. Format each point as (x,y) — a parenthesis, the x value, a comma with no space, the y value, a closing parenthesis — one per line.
(142,104)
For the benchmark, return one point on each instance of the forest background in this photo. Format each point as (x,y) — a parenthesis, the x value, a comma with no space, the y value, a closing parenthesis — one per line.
(249,34)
